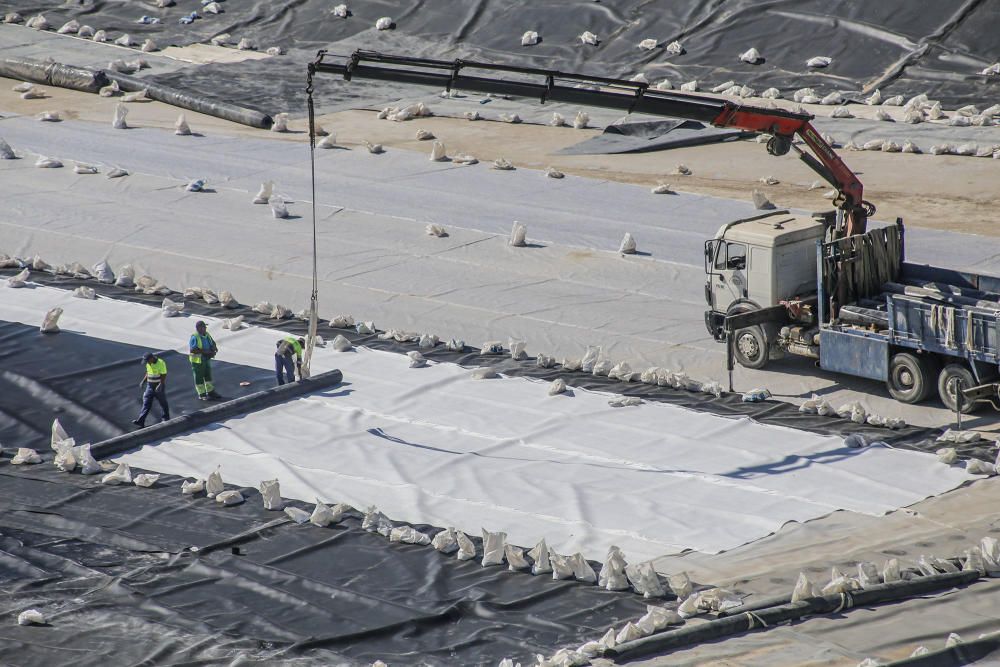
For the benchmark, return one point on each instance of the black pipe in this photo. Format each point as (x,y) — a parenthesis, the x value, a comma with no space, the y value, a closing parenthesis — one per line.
(53,74)
(216,413)
(965,653)
(179,98)
(749,620)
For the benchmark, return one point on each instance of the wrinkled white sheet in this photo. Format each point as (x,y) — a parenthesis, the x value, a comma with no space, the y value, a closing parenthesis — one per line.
(434,445)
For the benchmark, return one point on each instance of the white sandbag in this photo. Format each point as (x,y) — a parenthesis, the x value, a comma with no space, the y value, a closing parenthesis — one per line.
(603,367)
(493,547)
(589,38)
(529,38)
(417,360)
(65,457)
(582,571)
(408,535)
(149,46)
(246,44)
(83,292)
(804,589)
(518,233)
(31,617)
(280,123)
(424,135)
(959,437)
(170,308)
(296,514)
(466,547)
(121,475)
(24,456)
(48,163)
(118,122)
(138,96)
(517,349)
(545,361)
(513,119)
(639,78)
(562,567)
(383,23)
(464,159)
(502,164)
(6,152)
(445,541)
(270,493)
(540,558)
(435,230)
(853,411)
(690,86)
(340,11)
(645,580)
(145,480)
(558,120)
(103,273)
(819,61)
(613,577)
(342,344)
(181,127)
(658,618)
(231,497)
(329,141)
(279,209)
(189,488)
(515,558)
(438,152)
(868,574)
(472,115)
(117,172)
(280,312)
(84,169)
(20,279)
(558,386)
(977,467)
(581,120)
(484,373)
(628,634)
(50,323)
(627,246)
(751,56)
(840,583)
(680,584)
(214,484)
(682,170)
(125,40)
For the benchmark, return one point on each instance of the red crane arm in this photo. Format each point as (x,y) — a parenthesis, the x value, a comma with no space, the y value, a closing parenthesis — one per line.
(629,96)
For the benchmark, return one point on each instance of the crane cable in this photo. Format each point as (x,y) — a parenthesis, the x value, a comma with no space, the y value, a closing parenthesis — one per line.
(314,297)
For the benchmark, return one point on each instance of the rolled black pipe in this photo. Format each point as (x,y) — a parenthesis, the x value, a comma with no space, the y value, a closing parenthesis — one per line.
(216,413)
(53,74)
(965,653)
(749,620)
(179,98)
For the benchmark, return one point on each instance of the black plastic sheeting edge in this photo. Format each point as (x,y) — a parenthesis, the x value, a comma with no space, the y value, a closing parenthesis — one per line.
(966,653)
(179,98)
(53,74)
(766,618)
(770,412)
(216,413)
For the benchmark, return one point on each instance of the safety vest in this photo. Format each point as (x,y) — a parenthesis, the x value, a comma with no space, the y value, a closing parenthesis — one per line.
(200,344)
(155,371)
(293,343)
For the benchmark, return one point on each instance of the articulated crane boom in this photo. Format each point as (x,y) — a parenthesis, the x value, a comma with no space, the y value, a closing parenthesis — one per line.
(628,96)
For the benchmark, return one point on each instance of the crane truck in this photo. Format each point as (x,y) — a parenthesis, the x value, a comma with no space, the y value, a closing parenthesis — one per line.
(821,286)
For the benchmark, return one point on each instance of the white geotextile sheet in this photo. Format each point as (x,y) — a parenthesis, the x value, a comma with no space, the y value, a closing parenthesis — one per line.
(433,445)
(376,262)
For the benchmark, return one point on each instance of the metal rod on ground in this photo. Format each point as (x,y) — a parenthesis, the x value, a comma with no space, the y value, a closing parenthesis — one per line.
(765,618)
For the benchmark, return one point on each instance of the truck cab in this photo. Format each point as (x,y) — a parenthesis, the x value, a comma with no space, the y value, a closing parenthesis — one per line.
(758,263)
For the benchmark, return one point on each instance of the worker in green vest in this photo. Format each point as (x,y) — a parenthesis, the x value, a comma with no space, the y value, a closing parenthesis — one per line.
(201,350)
(156,387)
(288,347)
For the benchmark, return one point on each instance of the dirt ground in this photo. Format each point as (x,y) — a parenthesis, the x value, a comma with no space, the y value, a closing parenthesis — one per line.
(942,192)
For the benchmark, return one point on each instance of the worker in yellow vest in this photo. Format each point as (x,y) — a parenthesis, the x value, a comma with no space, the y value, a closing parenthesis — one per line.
(155,380)
(288,347)
(201,350)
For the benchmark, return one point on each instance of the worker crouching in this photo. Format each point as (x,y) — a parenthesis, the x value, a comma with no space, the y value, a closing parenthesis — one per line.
(156,387)
(288,348)
(202,349)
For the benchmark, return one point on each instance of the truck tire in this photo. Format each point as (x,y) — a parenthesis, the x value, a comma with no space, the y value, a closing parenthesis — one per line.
(750,347)
(951,375)
(911,377)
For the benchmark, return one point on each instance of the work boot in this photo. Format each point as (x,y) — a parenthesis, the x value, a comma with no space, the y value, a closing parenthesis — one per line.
(139,423)
(202,397)
(165,418)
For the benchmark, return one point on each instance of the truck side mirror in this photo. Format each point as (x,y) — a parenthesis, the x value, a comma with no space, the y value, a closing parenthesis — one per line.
(711,247)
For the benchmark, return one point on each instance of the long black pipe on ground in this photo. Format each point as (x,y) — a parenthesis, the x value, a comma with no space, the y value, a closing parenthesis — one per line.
(53,74)
(216,413)
(749,620)
(179,98)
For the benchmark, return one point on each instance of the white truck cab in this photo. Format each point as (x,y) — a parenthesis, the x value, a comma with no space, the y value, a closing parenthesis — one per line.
(757,263)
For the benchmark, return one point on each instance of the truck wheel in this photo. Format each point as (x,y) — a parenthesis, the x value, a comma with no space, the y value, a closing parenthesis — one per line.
(750,347)
(948,381)
(911,377)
